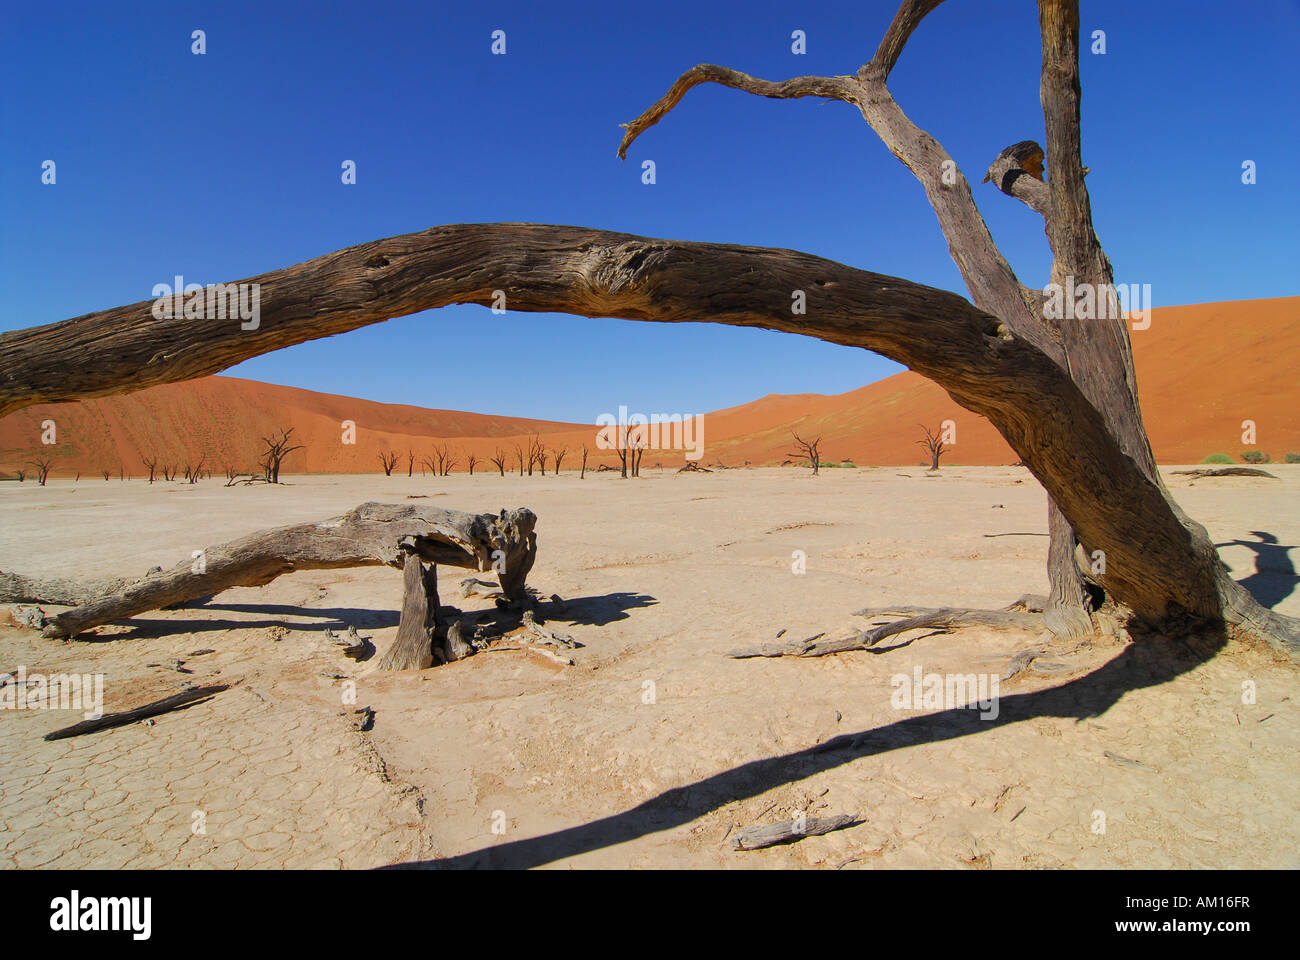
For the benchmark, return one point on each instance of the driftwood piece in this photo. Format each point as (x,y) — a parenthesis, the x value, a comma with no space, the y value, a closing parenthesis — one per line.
(1225,472)
(545,634)
(370,535)
(174,702)
(24,615)
(454,645)
(474,587)
(787,831)
(914,618)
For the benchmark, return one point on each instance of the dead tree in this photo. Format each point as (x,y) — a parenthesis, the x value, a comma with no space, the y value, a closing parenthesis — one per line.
(933,444)
(151,463)
(168,472)
(1061,392)
(22,474)
(583,474)
(535,455)
(373,534)
(410,463)
(557,457)
(42,466)
(519,456)
(388,461)
(499,458)
(809,450)
(442,461)
(277,448)
(105,473)
(637,444)
(471,461)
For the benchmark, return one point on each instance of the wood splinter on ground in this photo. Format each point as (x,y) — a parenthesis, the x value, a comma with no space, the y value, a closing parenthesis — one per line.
(788,831)
(165,705)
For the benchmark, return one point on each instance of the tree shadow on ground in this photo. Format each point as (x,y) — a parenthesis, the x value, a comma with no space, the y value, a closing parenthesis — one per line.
(336,618)
(579,611)
(1149,662)
(599,611)
(1275,576)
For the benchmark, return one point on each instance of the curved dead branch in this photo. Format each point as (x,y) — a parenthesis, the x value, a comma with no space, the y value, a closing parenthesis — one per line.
(829,88)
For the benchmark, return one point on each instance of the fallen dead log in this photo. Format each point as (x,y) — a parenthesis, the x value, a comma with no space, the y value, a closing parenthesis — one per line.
(770,834)
(1225,472)
(914,618)
(165,705)
(373,534)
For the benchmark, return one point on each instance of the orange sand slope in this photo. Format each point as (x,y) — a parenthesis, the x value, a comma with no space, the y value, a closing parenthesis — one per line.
(1202,370)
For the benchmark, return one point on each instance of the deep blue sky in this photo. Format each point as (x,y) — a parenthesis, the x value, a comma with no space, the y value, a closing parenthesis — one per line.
(225,165)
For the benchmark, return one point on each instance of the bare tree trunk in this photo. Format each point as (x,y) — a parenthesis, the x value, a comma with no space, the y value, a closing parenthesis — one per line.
(413,647)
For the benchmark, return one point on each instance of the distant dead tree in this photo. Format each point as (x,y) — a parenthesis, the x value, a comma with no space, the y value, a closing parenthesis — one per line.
(583,474)
(42,469)
(22,475)
(168,472)
(194,471)
(104,472)
(933,445)
(809,450)
(499,458)
(536,454)
(637,443)
(443,460)
(152,464)
(557,455)
(410,463)
(276,450)
(389,461)
(471,460)
(519,455)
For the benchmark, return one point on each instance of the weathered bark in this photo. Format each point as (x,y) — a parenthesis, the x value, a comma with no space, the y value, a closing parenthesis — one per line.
(373,534)
(413,647)
(787,831)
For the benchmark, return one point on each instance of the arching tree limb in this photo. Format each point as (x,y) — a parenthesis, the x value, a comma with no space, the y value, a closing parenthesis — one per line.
(1155,557)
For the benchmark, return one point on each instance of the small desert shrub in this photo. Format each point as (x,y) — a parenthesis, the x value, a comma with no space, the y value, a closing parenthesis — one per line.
(1218,458)
(1254,456)
(849,464)
(1293,457)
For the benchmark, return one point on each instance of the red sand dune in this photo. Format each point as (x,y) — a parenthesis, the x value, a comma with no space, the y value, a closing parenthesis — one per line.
(1202,370)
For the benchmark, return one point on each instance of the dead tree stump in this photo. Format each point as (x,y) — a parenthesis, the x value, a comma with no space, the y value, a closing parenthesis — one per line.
(413,648)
